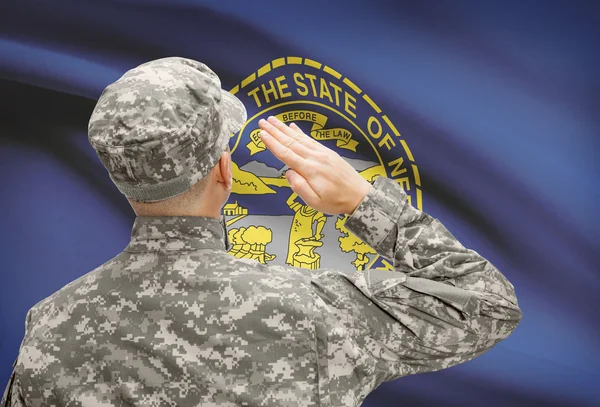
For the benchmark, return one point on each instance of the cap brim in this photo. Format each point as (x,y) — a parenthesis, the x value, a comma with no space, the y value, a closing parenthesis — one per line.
(233,111)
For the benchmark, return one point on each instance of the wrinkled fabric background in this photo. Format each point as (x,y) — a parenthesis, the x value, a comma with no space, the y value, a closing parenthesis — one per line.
(498,101)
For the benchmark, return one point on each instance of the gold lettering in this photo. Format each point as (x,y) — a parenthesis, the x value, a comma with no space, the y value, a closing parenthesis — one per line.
(312,79)
(324,91)
(370,122)
(298,79)
(386,140)
(270,90)
(398,163)
(281,86)
(253,93)
(299,115)
(350,104)
(404,183)
(337,92)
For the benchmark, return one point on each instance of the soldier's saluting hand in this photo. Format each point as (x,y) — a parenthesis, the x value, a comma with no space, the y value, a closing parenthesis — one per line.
(323,179)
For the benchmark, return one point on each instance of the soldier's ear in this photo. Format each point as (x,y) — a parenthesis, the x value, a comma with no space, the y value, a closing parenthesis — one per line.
(225,173)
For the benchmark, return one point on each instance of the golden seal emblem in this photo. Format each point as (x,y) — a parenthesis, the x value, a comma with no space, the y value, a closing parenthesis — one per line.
(266,220)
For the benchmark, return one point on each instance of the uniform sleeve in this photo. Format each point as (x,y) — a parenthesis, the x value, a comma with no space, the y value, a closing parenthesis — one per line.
(12,396)
(442,305)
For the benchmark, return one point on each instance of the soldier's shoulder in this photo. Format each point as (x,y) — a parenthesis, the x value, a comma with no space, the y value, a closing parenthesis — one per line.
(82,285)
(228,261)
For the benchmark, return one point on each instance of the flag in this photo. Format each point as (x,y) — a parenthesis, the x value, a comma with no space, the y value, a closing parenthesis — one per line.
(486,113)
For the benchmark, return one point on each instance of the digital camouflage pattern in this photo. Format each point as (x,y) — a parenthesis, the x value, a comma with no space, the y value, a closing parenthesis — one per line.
(174,320)
(163,126)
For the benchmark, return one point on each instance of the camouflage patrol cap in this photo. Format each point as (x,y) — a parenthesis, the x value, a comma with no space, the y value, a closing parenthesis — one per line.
(163,126)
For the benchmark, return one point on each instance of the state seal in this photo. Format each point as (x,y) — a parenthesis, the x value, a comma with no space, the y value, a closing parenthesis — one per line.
(266,220)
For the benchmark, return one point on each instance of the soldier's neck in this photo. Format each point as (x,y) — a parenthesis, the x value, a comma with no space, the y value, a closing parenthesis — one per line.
(211,210)
(199,212)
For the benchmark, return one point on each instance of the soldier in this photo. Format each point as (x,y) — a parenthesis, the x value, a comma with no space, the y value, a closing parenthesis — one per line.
(174,320)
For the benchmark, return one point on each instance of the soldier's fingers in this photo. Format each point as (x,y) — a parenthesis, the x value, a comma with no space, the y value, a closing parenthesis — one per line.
(309,141)
(291,142)
(285,154)
(293,133)
(302,188)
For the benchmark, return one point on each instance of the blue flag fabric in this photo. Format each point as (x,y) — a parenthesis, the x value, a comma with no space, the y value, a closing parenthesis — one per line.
(485,112)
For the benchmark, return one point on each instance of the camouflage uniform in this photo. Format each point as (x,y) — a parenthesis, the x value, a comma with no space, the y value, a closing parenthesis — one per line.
(174,320)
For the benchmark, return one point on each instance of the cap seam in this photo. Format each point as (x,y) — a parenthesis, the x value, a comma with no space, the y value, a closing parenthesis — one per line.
(177,134)
(183,175)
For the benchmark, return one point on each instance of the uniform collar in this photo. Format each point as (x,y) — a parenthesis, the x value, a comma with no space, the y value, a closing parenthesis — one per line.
(174,233)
